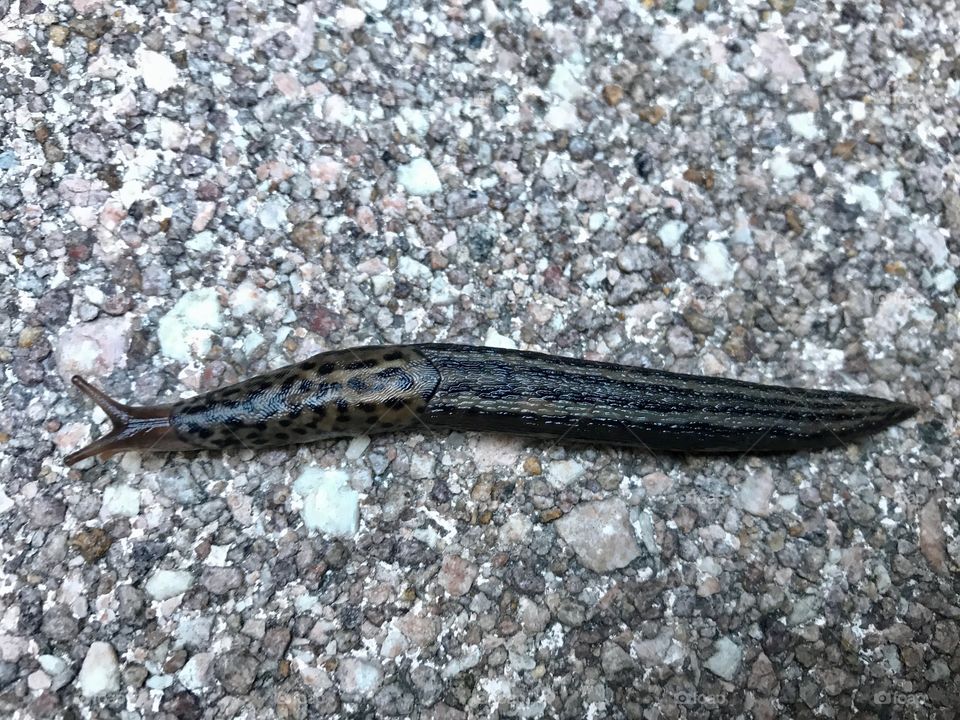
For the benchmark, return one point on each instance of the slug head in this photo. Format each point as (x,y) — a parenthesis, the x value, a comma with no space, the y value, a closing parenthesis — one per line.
(134,428)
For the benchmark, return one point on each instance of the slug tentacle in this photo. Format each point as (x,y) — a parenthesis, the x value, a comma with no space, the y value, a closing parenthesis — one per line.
(134,428)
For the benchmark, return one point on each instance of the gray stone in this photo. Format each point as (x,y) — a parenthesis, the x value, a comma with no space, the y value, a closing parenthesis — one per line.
(236,672)
(600,534)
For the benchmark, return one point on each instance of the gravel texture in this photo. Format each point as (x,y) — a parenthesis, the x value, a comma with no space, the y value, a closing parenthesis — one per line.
(194,192)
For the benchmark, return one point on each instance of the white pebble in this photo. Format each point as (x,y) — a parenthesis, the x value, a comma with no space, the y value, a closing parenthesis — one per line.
(185,331)
(741,229)
(330,505)
(562,116)
(566,81)
(832,64)
(774,53)
(715,267)
(755,493)
(415,120)
(159,682)
(248,298)
(157,70)
(252,341)
(563,472)
(442,293)
(495,339)
(100,673)
(165,584)
(195,674)
(945,280)
(38,680)
(202,242)
(121,500)
(173,135)
(335,108)
(57,668)
(94,295)
(536,8)
(5,501)
(782,168)
(350,18)
(668,40)
(357,447)
(358,677)
(670,233)
(419,178)
(804,124)
(726,658)
(410,268)
(273,214)
(864,196)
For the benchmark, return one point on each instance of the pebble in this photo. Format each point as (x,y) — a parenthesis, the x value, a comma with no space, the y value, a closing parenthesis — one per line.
(600,534)
(495,339)
(670,234)
(94,348)
(121,500)
(457,575)
(59,624)
(357,447)
(864,196)
(614,659)
(57,669)
(46,511)
(774,53)
(933,539)
(418,177)
(566,81)
(350,18)
(716,267)
(196,673)
(164,584)
(804,125)
(756,491)
(100,672)
(725,660)
(221,580)
(185,332)
(330,506)
(562,473)
(358,677)
(156,70)
(236,672)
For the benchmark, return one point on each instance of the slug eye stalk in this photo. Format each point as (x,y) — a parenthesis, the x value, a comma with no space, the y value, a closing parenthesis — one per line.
(134,428)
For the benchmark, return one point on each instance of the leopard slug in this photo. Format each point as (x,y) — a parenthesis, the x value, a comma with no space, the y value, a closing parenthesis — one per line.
(458,387)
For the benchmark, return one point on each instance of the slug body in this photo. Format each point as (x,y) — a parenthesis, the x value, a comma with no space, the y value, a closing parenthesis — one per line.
(457,387)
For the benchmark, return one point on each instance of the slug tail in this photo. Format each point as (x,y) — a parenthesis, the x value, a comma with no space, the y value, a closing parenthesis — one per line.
(134,428)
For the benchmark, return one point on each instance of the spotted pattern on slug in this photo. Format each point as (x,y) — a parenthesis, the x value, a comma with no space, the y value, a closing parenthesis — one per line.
(333,394)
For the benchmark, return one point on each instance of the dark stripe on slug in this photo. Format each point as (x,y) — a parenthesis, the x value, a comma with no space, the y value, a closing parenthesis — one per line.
(532,394)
